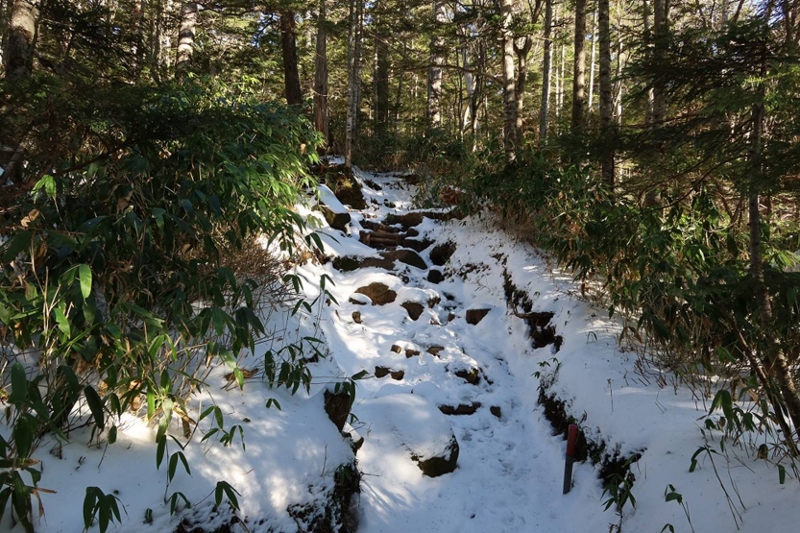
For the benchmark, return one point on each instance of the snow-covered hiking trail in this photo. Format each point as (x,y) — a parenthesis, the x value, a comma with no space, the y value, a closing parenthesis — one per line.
(470,353)
(427,359)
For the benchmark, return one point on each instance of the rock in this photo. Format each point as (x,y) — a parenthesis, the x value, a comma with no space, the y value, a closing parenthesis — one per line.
(451,317)
(411,353)
(411,423)
(416,244)
(345,187)
(337,405)
(433,302)
(378,293)
(461,409)
(496,411)
(474,316)
(347,263)
(357,317)
(383,371)
(409,257)
(396,349)
(471,375)
(336,220)
(359,299)
(435,349)
(414,309)
(441,253)
(442,464)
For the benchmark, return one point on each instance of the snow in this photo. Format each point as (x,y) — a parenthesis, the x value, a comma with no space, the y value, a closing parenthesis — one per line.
(510,469)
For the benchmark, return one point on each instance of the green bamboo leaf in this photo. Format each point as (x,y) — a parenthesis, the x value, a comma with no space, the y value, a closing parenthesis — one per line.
(85,277)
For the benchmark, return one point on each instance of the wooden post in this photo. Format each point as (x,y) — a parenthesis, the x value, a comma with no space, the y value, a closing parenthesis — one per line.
(572,440)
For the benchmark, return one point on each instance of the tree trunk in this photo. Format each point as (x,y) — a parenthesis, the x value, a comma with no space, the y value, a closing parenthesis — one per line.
(592,59)
(522,78)
(606,89)
(435,73)
(186,36)
(321,76)
(381,79)
(509,83)
(546,68)
(21,39)
(660,34)
(354,79)
(579,76)
(291,74)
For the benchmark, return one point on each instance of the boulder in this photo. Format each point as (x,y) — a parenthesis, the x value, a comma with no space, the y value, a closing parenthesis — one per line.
(441,253)
(414,309)
(435,276)
(336,220)
(409,257)
(474,316)
(378,293)
(337,405)
(440,464)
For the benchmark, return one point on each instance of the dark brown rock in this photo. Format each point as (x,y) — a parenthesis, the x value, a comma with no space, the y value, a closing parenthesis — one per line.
(396,349)
(411,353)
(444,464)
(409,257)
(474,316)
(460,409)
(414,309)
(383,371)
(416,244)
(441,253)
(379,293)
(337,405)
(435,349)
(336,220)
(496,411)
(471,375)
(357,317)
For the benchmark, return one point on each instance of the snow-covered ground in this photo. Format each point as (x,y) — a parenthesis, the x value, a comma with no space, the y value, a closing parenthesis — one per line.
(510,467)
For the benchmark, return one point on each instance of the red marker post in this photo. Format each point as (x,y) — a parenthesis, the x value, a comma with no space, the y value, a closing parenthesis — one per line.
(572,441)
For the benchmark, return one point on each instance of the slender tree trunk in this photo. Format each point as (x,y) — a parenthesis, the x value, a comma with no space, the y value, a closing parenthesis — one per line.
(291,74)
(321,76)
(381,78)
(186,36)
(522,78)
(606,89)
(546,68)
(509,83)
(579,76)
(647,34)
(660,34)
(21,39)
(354,79)
(435,73)
(593,59)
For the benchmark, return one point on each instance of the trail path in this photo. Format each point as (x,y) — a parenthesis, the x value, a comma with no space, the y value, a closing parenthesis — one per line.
(510,468)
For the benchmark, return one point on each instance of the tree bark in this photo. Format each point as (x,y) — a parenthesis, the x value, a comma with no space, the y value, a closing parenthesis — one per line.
(546,68)
(592,59)
(522,78)
(354,79)
(21,39)
(381,78)
(509,82)
(186,36)
(321,75)
(291,74)
(579,75)
(660,34)
(435,73)
(606,89)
